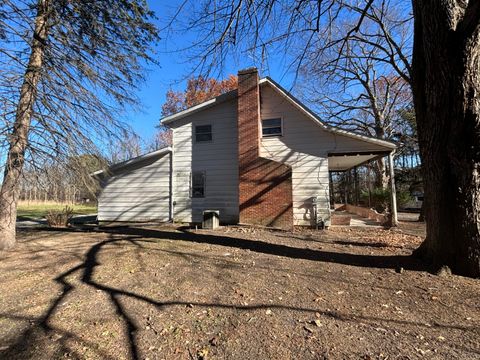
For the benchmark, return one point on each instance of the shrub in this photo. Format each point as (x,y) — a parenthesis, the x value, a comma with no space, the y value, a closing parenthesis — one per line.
(403,198)
(380,199)
(60,218)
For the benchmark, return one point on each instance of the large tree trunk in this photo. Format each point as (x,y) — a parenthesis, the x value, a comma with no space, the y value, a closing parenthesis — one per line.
(446,88)
(380,170)
(379,166)
(421,216)
(19,135)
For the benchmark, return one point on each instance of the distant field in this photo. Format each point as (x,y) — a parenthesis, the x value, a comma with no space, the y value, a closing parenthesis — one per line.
(40,209)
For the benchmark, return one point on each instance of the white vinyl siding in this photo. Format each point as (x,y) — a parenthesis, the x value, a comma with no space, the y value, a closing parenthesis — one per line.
(139,192)
(217,159)
(304,145)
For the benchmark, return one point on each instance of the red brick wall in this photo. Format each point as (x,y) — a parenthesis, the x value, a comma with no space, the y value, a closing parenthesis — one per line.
(337,219)
(265,186)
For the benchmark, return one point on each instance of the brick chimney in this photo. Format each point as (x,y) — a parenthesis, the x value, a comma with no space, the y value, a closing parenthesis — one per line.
(248,116)
(265,186)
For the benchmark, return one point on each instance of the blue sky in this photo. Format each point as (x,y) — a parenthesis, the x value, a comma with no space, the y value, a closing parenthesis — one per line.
(172,71)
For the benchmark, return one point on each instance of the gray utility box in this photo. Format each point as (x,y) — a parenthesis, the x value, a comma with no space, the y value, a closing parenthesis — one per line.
(211,219)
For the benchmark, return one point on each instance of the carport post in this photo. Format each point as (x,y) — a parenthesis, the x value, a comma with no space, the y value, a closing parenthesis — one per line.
(393,191)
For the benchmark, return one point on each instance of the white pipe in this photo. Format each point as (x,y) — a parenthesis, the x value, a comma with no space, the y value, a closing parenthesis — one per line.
(392,188)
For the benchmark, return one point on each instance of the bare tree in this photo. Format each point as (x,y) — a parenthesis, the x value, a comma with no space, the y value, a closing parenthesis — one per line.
(199,89)
(126,147)
(72,67)
(360,81)
(162,138)
(60,181)
(445,81)
(361,100)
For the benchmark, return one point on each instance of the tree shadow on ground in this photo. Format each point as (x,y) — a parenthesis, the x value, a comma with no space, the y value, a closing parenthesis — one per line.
(407,262)
(43,330)
(358,243)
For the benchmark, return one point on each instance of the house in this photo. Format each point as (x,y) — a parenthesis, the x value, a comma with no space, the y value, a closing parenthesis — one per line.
(256,154)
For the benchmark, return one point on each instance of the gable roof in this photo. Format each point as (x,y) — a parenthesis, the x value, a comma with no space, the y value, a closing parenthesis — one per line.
(310,114)
(202,106)
(291,99)
(134,160)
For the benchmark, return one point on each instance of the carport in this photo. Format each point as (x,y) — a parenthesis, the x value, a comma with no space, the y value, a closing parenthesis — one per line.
(346,161)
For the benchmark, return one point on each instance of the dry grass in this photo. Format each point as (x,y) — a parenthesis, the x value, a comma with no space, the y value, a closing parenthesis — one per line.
(35,210)
(235,293)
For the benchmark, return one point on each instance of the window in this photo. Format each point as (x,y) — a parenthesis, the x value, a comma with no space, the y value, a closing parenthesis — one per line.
(203,133)
(198,184)
(272,127)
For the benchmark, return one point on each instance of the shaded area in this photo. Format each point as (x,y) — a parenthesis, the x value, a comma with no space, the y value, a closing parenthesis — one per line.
(33,222)
(136,238)
(266,189)
(187,234)
(375,261)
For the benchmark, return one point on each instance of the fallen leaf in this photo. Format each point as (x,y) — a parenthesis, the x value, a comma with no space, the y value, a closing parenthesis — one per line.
(202,354)
(310,330)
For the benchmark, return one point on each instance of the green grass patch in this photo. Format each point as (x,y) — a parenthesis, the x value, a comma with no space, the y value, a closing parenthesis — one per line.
(27,211)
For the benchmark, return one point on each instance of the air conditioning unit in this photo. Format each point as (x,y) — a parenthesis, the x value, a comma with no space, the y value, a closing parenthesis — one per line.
(211,219)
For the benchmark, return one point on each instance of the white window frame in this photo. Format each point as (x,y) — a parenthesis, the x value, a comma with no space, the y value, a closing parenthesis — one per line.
(281,127)
(195,133)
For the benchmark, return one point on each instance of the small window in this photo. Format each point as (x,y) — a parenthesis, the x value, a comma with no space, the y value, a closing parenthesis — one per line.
(203,133)
(272,127)
(198,184)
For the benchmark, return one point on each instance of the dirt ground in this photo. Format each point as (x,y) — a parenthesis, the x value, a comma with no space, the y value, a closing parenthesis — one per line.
(233,293)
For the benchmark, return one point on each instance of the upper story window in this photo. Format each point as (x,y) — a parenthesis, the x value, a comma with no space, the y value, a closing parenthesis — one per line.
(272,127)
(198,184)
(203,133)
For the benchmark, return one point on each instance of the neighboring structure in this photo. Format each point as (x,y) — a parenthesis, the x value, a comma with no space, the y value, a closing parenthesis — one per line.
(257,155)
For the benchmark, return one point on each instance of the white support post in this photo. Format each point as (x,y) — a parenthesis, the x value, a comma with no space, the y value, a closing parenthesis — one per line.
(393,191)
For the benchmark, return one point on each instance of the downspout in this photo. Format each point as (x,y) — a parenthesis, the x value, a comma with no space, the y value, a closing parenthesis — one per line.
(171,202)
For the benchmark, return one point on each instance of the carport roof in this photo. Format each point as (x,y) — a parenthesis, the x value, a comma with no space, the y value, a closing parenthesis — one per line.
(347,161)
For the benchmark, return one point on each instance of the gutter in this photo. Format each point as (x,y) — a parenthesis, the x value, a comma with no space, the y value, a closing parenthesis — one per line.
(134,160)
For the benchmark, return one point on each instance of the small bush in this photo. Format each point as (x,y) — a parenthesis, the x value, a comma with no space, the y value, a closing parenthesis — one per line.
(380,199)
(61,218)
(403,198)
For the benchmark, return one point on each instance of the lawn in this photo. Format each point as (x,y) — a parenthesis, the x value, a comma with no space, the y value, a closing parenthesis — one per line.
(39,210)
(232,293)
